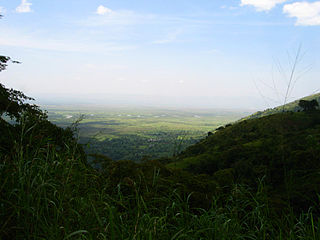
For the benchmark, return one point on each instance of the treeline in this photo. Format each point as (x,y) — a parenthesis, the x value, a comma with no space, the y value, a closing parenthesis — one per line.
(135,147)
(48,191)
(311,102)
(257,179)
(283,149)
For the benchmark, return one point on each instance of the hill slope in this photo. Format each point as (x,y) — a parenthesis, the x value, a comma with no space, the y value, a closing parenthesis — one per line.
(283,149)
(262,182)
(50,192)
(291,107)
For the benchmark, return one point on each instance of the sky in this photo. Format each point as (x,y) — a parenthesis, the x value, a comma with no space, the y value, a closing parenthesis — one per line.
(200,53)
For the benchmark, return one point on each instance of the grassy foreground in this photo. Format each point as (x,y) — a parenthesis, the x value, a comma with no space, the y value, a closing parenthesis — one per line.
(48,191)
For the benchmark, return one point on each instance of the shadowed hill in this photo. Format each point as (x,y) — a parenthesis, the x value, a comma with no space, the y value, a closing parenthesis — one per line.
(257,172)
(256,179)
(262,182)
(283,149)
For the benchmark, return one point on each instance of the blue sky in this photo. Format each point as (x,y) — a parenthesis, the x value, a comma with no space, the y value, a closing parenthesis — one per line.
(184,50)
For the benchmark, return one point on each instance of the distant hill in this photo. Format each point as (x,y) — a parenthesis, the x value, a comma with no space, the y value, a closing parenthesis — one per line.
(282,148)
(255,179)
(292,106)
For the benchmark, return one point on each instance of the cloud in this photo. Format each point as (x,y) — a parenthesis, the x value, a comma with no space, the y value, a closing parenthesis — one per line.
(211,51)
(101,10)
(228,7)
(171,37)
(307,14)
(262,5)
(20,39)
(2,10)
(109,17)
(24,7)
(116,17)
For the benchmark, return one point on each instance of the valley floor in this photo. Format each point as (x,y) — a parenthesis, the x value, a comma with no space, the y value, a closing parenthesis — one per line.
(136,133)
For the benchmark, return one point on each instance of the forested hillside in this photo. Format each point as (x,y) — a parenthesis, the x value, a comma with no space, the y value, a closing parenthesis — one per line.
(283,149)
(256,179)
(135,120)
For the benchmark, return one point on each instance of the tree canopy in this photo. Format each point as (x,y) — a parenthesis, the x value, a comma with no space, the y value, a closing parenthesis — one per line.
(16,105)
(308,105)
(13,102)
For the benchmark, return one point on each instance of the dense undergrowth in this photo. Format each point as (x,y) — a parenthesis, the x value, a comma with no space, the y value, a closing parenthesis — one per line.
(257,179)
(48,191)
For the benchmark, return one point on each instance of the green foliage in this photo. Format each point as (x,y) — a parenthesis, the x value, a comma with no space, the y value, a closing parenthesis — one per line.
(257,179)
(135,147)
(284,148)
(308,105)
(289,107)
(49,192)
(224,177)
(133,134)
(54,195)
(13,104)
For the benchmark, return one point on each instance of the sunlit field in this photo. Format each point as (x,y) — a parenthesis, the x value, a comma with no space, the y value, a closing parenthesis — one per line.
(159,120)
(134,133)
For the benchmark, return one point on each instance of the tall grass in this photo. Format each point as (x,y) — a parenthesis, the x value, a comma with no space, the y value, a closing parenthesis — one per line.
(47,193)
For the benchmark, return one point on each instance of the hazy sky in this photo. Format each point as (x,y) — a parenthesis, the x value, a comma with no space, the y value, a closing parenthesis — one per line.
(163,49)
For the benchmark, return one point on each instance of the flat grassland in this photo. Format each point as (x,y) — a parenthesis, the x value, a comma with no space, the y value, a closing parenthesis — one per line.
(136,133)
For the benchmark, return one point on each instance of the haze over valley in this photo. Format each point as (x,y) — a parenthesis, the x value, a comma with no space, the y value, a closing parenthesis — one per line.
(162,119)
(207,54)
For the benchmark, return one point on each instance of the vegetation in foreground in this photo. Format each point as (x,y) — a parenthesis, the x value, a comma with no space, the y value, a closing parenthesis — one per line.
(258,179)
(48,191)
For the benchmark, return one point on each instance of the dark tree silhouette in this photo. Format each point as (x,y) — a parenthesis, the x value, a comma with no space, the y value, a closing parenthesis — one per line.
(308,105)
(3,62)
(13,102)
